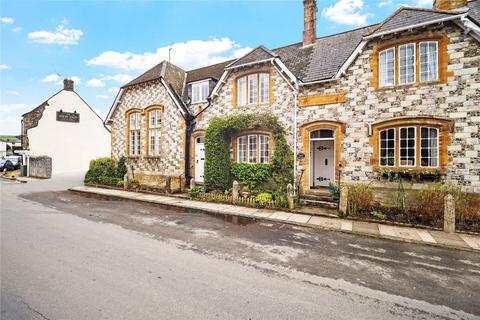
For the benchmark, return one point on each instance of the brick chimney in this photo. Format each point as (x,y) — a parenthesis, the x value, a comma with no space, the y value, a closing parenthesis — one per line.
(309,22)
(448,5)
(68,84)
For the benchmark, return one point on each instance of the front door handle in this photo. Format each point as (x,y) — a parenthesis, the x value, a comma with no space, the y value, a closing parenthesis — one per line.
(326,162)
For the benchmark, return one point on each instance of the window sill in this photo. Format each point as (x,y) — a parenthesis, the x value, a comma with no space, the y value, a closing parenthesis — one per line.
(409,85)
(198,102)
(254,105)
(152,157)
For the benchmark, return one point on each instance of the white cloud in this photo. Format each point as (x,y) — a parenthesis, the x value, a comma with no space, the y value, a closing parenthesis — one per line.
(76,80)
(113,90)
(17,29)
(14,93)
(120,78)
(424,3)
(385,3)
(12,107)
(96,83)
(10,124)
(61,35)
(7,20)
(103,96)
(346,12)
(4,66)
(51,78)
(188,55)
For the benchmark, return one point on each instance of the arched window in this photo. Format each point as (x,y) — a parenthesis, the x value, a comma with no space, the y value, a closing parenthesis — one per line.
(133,133)
(154,130)
(252,89)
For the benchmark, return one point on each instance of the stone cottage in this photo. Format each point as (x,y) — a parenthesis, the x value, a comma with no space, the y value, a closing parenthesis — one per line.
(399,96)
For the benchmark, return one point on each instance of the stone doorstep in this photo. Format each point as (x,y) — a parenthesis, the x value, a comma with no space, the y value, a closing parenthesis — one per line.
(458,241)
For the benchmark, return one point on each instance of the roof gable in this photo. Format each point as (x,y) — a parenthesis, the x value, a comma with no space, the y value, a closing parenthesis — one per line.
(258,54)
(408,17)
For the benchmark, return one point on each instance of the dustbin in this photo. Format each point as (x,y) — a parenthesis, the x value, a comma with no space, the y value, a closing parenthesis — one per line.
(24,170)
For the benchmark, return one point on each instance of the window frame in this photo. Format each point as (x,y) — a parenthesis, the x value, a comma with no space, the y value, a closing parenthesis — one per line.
(158,129)
(415,146)
(394,147)
(138,129)
(199,85)
(386,64)
(242,98)
(438,146)
(246,135)
(436,62)
(406,68)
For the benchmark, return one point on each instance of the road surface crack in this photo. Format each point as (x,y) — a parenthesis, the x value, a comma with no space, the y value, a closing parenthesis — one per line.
(30,307)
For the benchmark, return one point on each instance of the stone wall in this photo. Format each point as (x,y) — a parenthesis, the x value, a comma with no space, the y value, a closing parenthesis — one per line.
(40,167)
(30,120)
(171,159)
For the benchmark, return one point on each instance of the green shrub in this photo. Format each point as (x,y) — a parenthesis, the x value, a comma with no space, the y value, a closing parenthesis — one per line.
(121,168)
(252,175)
(102,171)
(263,199)
(378,214)
(217,149)
(120,183)
(360,198)
(196,191)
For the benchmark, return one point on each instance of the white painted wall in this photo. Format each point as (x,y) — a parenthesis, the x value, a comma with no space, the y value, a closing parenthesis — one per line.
(71,145)
(3,149)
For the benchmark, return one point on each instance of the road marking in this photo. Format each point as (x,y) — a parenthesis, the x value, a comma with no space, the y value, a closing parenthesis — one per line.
(473,242)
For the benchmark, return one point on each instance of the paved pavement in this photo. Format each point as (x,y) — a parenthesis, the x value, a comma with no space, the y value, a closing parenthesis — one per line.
(71,256)
(458,240)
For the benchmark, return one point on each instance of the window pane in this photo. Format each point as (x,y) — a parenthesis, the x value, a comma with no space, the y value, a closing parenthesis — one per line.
(387,147)
(151,142)
(429,147)
(406,63)
(264,156)
(252,149)
(428,61)
(252,88)
(204,93)
(159,118)
(242,149)
(387,67)
(407,146)
(137,145)
(264,87)
(242,91)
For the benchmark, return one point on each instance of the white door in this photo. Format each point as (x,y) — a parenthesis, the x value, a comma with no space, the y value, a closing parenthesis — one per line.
(199,159)
(323,166)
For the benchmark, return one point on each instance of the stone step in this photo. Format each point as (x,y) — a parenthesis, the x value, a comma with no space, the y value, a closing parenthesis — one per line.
(319,203)
(317,197)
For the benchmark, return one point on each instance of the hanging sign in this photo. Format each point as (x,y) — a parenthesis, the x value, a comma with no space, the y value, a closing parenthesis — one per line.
(68,116)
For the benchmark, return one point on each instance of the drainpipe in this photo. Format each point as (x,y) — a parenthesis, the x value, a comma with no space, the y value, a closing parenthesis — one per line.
(295,96)
(188,133)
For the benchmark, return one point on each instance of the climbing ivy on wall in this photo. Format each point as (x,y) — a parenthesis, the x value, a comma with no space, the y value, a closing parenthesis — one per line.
(218,137)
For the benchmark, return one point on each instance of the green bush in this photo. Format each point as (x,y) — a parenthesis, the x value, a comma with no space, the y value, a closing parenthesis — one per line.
(120,183)
(196,191)
(102,171)
(217,149)
(121,168)
(133,183)
(263,199)
(251,175)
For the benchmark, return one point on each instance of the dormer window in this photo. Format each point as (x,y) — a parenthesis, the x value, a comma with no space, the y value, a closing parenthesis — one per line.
(200,91)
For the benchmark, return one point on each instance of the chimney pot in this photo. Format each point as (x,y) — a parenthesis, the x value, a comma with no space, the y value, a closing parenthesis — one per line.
(309,22)
(447,5)
(68,84)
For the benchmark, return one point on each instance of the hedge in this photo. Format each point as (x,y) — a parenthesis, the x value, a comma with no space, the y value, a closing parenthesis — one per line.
(105,171)
(217,149)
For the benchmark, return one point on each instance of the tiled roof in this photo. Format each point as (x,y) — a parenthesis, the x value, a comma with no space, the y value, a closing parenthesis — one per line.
(474,10)
(405,17)
(260,53)
(213,71)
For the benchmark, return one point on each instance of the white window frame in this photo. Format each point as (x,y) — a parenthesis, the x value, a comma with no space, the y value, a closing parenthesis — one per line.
(438,146)
(243,159)
(154,130)
(385,73)
(414,146)
(266,148)
(420,60)
(406,67)
(201,95)
(242,91)
(263,77)
(380,147)
(252,94)
(256,148)
(134,144)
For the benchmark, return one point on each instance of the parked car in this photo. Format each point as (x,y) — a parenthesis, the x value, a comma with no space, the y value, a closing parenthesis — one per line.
(16,160)
(6,164)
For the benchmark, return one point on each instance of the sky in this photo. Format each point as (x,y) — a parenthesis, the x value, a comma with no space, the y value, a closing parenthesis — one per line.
(102,45)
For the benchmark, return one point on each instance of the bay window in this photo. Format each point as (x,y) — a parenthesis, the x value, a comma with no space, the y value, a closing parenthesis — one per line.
(429,147)
(253,89)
